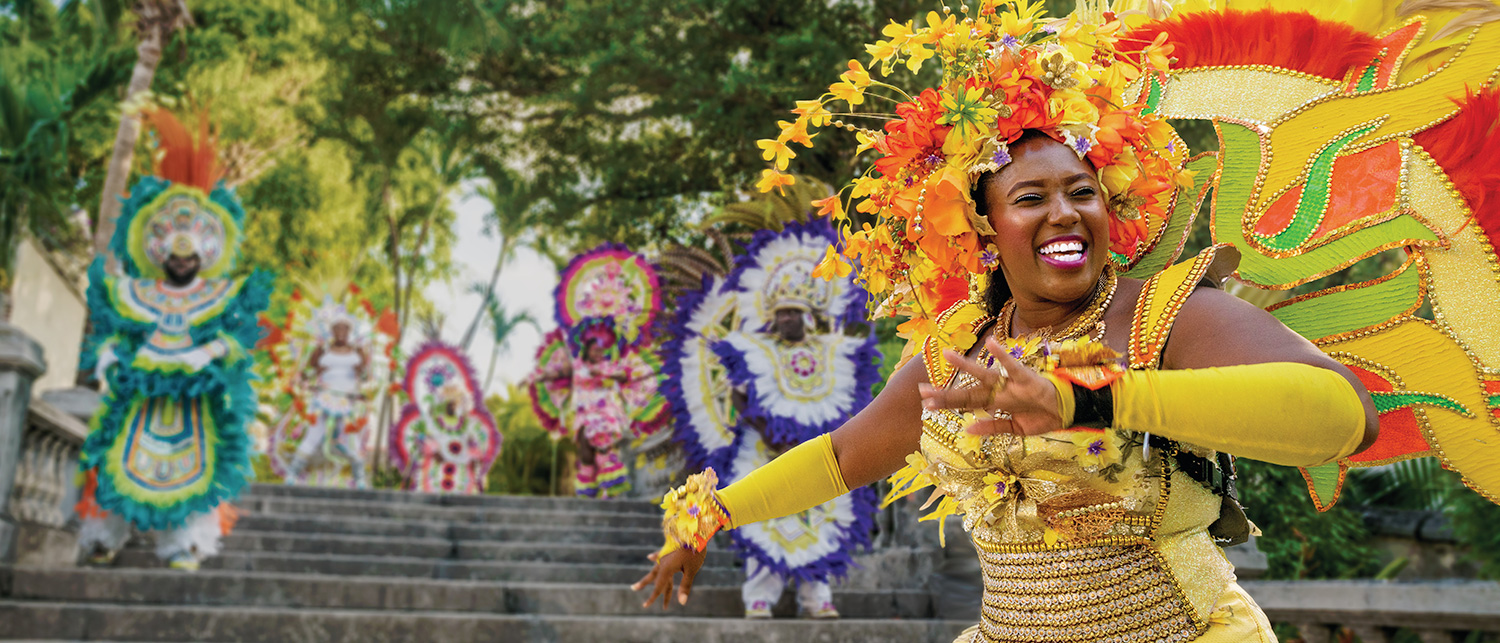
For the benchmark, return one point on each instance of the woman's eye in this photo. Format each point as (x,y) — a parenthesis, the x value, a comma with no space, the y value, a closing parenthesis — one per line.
(1028,198)
(1083,192)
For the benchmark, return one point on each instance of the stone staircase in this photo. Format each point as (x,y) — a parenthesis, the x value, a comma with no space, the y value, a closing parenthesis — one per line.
(310,565)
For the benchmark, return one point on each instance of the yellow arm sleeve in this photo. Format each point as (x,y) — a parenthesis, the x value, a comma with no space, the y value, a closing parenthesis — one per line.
(1283,413)
(800,479)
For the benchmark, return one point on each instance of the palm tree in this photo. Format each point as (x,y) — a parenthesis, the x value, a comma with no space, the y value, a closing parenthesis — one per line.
(502,323)
(156,21)
(514,222)
(41,92)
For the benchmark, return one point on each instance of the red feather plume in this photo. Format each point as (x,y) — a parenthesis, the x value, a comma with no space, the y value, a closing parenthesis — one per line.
(1294,40)
(1466,147)
(183,158)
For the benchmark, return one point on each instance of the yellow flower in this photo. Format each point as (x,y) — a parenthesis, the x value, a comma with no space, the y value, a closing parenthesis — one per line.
(969,115)
(866,140)
(969,444)
(847,92)
(794,133)
(882,52)
(856,75)
(813,111)
(773,180)
(1092,449)
(916,56)
(775,150)
(832,266)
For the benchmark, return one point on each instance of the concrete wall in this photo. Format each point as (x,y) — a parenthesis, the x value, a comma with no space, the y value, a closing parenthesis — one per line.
(50,308)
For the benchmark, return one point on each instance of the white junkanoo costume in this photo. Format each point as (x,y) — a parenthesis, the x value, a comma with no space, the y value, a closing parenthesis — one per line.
(324,394)
(723,342)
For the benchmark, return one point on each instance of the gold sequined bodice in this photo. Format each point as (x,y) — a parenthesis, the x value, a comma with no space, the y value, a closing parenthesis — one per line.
(1083,535)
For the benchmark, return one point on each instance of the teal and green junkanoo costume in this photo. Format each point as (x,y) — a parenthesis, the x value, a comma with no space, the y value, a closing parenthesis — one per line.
(169,443)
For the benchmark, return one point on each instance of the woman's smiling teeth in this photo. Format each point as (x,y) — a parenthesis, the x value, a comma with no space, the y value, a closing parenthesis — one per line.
(1063,253)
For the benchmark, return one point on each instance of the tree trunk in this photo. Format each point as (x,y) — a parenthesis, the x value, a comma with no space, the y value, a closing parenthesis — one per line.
(148,55)
(405,314)
(382,450)
(490,373)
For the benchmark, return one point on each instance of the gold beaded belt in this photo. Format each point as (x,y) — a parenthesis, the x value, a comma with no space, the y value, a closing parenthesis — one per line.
(1113,594)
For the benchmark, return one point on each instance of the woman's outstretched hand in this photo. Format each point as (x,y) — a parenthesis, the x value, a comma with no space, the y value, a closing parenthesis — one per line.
(1016,399)
(664,572)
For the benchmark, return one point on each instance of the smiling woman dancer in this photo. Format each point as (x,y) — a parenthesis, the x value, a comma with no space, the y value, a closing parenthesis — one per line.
(1096,494)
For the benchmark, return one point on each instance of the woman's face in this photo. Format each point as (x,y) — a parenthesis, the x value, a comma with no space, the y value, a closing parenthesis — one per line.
(1050,221)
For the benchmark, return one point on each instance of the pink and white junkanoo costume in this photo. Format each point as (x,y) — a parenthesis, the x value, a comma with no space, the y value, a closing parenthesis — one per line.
(606,301)
(722,342)
(325,397)
(446,440)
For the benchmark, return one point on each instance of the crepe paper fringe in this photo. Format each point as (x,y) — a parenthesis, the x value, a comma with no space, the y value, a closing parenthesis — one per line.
(551,422)
(672,353)
(224,383)
(835,565)
(1294,40)
(1465,146)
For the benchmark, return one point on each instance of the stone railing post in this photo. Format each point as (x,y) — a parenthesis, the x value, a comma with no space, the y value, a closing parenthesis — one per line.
(21,362)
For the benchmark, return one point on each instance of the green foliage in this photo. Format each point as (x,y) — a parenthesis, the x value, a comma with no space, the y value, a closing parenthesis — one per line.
(890,347)
(1299,542)
(1476,524)
(55,71)
(530,459)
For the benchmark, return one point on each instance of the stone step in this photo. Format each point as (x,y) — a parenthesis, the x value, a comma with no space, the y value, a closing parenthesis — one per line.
(546,503)
(442,513)
(130,622)
(404,567)
(171,587)
(457,531)
(442,548)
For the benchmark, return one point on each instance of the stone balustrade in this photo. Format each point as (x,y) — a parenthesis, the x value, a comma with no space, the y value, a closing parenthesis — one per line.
(43,486)
(1444,611)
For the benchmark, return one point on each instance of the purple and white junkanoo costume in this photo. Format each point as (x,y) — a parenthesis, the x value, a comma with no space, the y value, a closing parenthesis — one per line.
(446,441)
(723,341)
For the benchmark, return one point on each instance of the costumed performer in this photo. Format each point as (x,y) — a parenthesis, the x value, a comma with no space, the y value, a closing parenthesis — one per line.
(791,373)
(600,391)
(446,440)
(168,451)
(1097,493)
(330,359)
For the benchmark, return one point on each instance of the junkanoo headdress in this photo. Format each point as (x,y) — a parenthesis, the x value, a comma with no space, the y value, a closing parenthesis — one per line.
(610,281)
(776,271)
(180,211)
(1005,72)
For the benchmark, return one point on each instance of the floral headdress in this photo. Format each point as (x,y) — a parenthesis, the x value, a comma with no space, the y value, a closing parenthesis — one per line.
(1005,71)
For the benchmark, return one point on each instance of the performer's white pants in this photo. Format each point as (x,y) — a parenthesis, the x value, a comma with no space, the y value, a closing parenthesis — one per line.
(199,538)
(312,446)
(762,585)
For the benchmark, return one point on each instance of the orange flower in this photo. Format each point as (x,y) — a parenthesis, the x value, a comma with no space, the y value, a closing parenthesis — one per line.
(830,207)
(948,209)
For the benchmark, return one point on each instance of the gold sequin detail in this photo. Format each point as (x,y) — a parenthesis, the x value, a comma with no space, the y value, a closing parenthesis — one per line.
(1122,594)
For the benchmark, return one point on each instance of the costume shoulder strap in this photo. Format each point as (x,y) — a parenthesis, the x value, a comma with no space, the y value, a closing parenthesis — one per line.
(1162,297)
(956,328)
